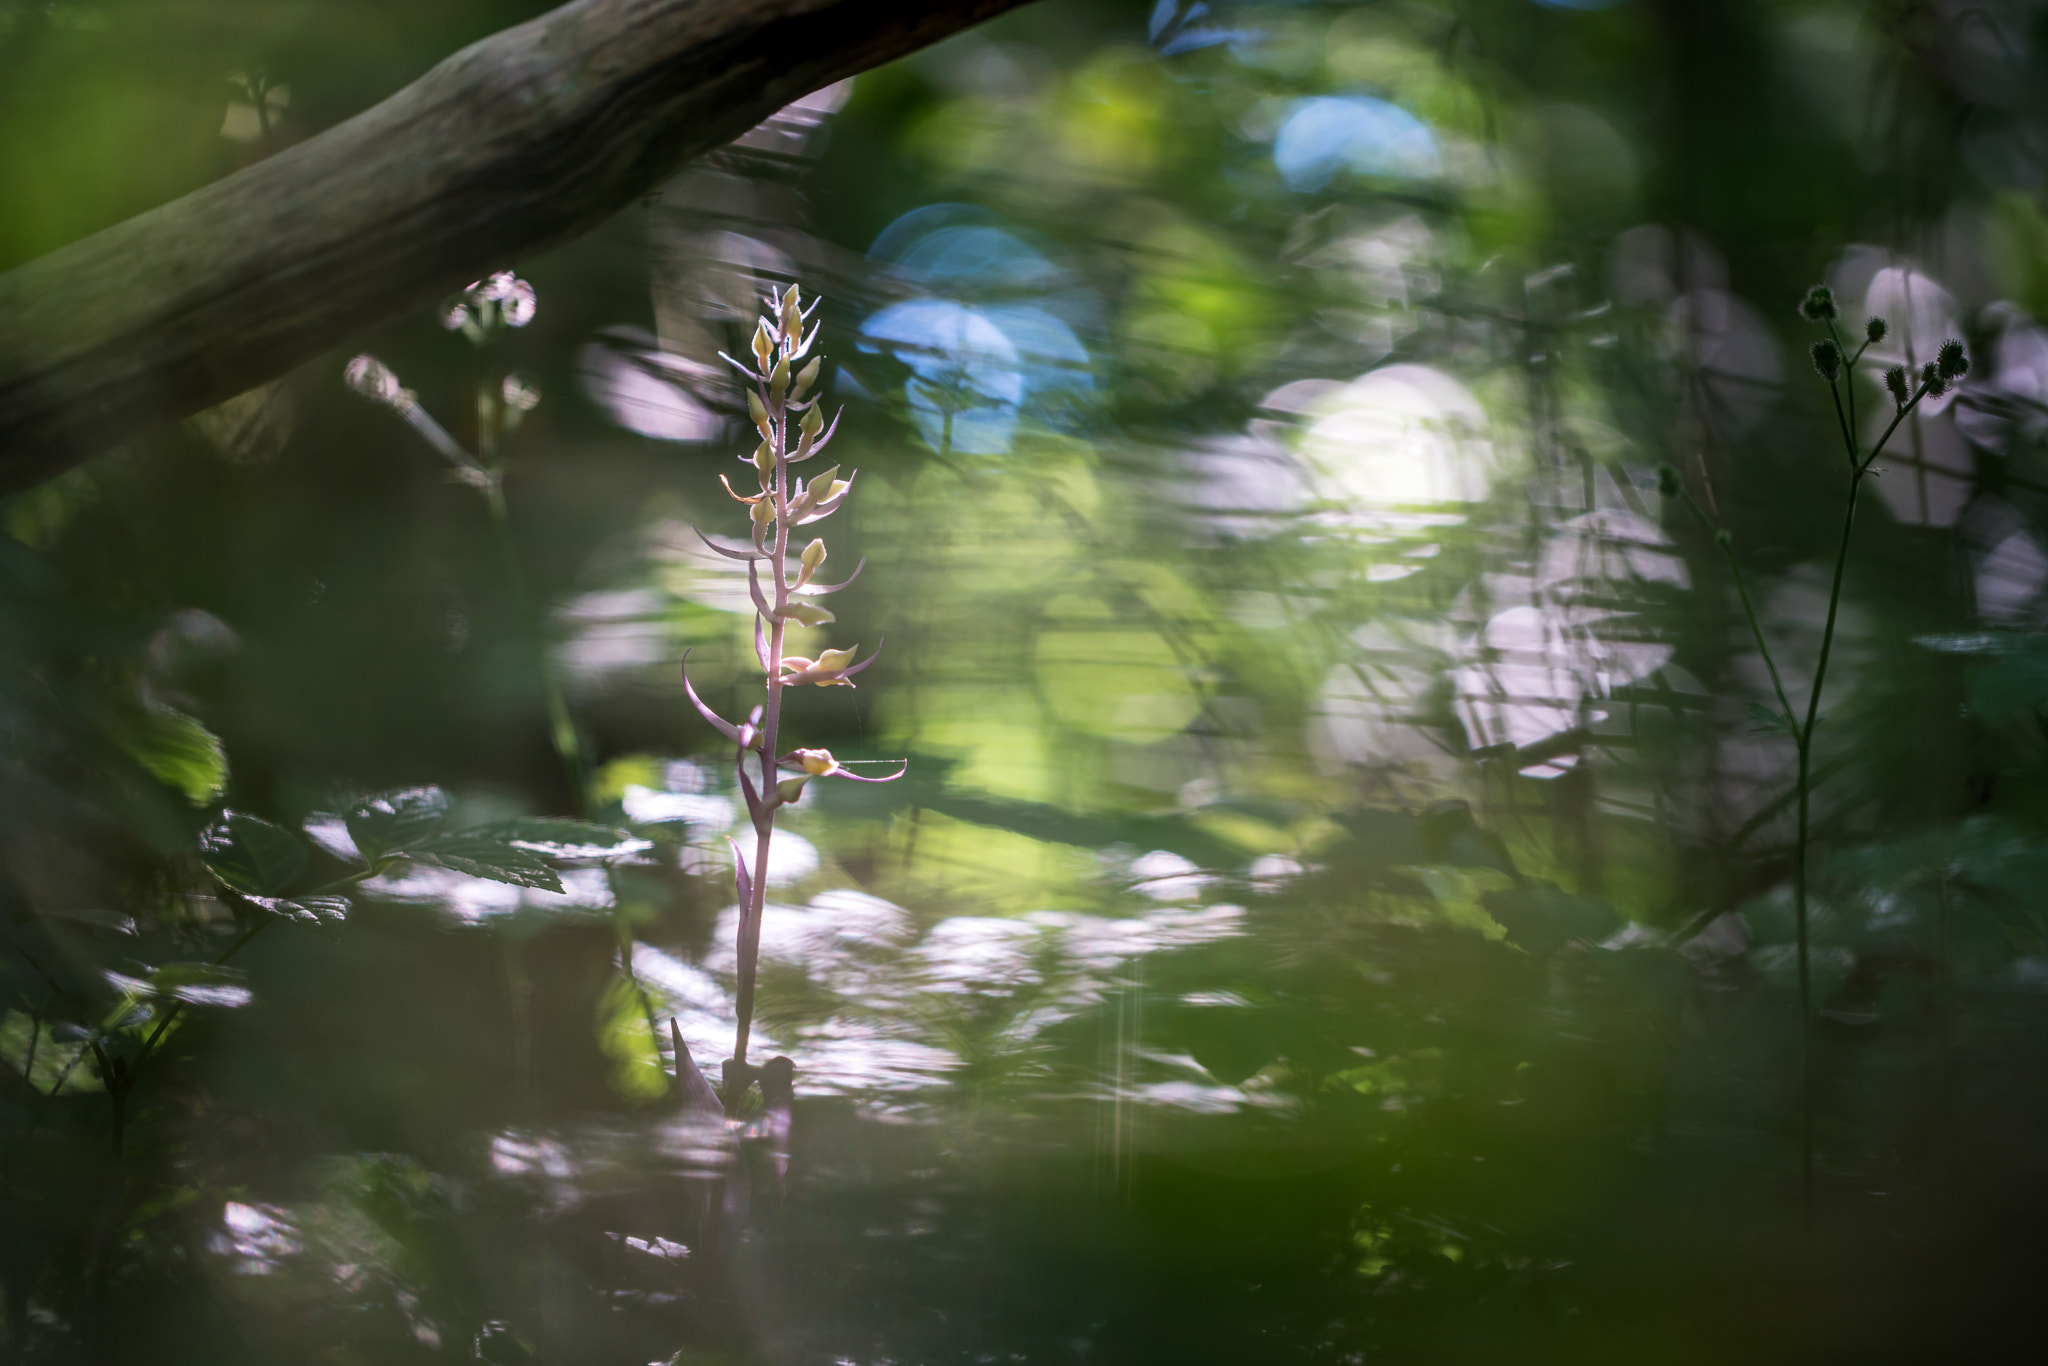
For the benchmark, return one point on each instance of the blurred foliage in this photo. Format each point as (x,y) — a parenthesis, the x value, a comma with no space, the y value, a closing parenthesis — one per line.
(1339,908)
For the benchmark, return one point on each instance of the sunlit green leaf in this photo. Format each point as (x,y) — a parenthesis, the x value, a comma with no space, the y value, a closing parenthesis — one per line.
(252,855)
(564,838)
(177,751)
(488,858)
(393,822)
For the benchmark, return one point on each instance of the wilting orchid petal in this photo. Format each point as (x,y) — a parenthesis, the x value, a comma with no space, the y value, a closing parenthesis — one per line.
(725,727)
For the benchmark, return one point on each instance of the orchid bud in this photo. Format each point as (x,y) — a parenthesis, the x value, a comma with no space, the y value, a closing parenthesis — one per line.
(757,411)
(808,376)
(521,394)
(817,762)
(792,312)
(778,380)
(374,380)
(764,346)
(763,513)
(814,555)
(764,459)
(814,421)
(789,789)
(836,659)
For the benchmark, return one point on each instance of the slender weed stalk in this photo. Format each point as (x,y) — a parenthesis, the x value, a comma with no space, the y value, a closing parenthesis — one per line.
(792,430)
(1835,364)
(482,313)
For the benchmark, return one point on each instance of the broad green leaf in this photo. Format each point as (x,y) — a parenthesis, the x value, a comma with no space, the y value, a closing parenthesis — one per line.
(58,1058)
(201,984)
(1540,918)
(564,838)
(252,855)
(177,751)
(480,857)
(393,822)
(306,910)
(2012,685)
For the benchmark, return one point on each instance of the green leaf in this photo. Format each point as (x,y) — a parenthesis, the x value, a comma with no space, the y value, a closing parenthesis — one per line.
(481,857)
(252,855)
(201,984)
(177,751)
(393,822)
(2013,685)
(564,839)
(1540,919)
(306,910)
(1767,719)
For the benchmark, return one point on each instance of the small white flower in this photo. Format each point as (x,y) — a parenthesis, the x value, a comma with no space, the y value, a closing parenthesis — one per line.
(518,304)
(521,394)
(373,379)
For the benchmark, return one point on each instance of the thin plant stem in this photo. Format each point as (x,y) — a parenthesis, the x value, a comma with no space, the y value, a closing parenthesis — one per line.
(771,724)
(561,726)
(1748,608)
(1803,732)
(1799,889)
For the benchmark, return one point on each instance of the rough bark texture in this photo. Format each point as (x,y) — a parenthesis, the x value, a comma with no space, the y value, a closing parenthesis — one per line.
(511,146)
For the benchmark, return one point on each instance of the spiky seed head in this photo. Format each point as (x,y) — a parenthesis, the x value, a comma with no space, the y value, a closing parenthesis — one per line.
(1667,481)
(1931,380)
(1952,362)
(1827,359)
(1899,383)
(1874,329)
(1819,305)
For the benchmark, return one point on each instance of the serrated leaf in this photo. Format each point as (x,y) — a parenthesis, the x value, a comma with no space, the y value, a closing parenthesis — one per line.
(393,822)
(1767,719)
(201,984)
(565,838)
(252,855)
(488,858)
(306,910)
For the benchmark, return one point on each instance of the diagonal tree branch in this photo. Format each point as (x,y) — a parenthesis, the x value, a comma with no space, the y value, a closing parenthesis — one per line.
(512,145)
